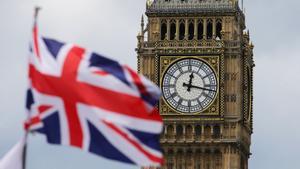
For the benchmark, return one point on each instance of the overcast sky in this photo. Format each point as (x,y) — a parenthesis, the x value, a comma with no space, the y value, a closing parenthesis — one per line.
(110,27)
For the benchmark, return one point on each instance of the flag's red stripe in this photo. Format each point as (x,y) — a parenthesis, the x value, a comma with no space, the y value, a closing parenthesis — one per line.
(69,74)
(101,73)
(43,108)
(35,41)
(134,143)
(32,121)
(76,133)
(138,82)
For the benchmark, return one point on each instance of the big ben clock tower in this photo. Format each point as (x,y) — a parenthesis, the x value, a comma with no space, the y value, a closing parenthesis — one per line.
(200,55)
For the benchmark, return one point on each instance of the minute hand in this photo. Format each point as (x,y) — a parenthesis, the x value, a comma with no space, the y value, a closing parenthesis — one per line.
(197,87)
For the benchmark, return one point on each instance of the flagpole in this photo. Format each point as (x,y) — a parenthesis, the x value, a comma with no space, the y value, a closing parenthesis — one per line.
(25,149)
(24,155)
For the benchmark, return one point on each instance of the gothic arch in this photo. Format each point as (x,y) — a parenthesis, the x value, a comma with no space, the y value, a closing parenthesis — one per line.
(172,29)
(189,132)
(181,30)
(209,28)
(191,30)
(179,131)
(200,30)
(170,131)
(217,131)
(219,29)
(207,131)
(163,30)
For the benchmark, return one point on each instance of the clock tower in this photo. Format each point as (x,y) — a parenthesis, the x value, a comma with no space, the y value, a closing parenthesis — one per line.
(200,54)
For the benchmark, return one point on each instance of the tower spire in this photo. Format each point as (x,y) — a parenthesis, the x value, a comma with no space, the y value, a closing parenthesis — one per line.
(142,25)
(243,5)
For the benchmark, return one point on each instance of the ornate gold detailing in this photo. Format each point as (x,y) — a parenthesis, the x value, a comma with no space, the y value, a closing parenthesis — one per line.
(215,109)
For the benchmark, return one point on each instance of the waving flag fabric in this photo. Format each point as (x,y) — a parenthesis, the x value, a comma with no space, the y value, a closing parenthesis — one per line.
(82,99)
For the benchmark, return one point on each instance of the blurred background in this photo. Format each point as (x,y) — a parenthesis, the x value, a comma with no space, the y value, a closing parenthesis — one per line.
(110,28)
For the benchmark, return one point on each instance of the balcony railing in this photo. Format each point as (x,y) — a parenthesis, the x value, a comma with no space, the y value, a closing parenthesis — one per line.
(190,5)
(184,44)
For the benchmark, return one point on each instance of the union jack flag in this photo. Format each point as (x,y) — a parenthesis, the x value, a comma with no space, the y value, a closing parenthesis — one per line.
(82,99)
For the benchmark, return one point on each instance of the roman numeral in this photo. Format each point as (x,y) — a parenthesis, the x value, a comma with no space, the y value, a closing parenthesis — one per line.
(209,85)
(208,75)
(170,85)
(206,95)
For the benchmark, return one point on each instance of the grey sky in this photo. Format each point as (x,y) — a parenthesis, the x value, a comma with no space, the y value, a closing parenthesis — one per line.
(110,27)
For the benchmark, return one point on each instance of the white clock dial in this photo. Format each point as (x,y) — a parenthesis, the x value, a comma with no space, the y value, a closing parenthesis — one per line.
(189,85)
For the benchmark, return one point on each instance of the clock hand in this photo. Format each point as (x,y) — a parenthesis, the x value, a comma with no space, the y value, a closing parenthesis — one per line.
(190,82)
(197,87)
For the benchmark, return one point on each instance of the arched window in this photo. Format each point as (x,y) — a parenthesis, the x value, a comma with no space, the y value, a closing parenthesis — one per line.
(179,131)
(172,30)
(217,132)
(189,132)
(198,130)
(191,31)
(163,31)
(207,131)
(200,30)
(170,131)
(219,29)
(209,28)
(181,30)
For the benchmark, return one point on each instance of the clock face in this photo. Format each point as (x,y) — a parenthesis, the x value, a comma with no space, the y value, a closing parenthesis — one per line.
(189,85)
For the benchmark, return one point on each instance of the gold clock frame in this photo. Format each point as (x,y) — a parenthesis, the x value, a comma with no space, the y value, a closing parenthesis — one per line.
(216,108)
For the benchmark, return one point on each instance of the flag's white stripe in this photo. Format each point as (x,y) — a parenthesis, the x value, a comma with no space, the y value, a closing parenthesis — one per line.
(36,126)
(57,103)
(48,63)
(124,120)
(120,143)
(130,80)
(145,147)
(94,119)
(109,82)
(85,129)
(62,55)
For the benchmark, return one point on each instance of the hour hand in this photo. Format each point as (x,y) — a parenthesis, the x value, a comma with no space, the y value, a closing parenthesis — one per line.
(191,78)
(189,86)
(190,82)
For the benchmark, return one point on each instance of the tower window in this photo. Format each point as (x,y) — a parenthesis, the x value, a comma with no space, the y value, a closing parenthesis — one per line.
(219,29)
(217,131)
(198,130)
(172,31)
(179,131)
(170,130)
(209,27)
(207,132)
(191,31)
(163,31)
(181,31)
(189,132)
(200,30)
